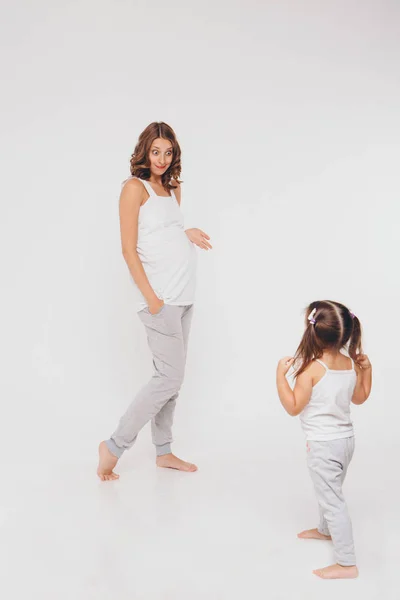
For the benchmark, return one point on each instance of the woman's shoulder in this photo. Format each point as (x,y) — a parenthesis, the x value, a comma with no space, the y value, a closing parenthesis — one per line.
(133,189)
(176,186)
(133,185)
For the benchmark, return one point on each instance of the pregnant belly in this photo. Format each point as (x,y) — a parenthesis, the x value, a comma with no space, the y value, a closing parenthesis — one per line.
(167,257)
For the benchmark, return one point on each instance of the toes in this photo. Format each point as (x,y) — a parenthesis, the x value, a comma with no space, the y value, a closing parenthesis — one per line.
(318,573)
(109,476)
(189,468)
(303,535)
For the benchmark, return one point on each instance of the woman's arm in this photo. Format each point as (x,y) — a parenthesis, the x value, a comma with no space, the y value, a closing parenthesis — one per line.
(364,379)
(132,196)
(293,401)
(196,236)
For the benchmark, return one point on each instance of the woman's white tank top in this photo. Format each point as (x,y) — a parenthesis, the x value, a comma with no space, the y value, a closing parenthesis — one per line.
(327,415)
(168,256)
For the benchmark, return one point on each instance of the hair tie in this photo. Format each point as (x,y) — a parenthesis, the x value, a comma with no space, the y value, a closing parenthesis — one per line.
(311,316)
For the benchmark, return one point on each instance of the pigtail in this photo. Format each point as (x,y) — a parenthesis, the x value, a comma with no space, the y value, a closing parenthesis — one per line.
(309,348)
(355,344)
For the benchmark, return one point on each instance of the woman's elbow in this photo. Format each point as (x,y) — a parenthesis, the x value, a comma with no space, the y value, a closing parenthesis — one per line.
(128,252)
(359,400)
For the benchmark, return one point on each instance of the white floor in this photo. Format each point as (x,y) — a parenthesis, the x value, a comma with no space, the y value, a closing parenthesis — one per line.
(225,532)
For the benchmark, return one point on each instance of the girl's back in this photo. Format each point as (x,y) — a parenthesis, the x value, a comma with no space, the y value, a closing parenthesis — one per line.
(327,415)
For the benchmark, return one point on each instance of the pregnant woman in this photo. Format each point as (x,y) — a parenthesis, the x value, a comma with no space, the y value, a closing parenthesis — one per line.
(161,259)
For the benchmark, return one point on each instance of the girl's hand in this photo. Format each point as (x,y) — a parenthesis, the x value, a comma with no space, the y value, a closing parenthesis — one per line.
(198,237)
(363,361)
(284,365)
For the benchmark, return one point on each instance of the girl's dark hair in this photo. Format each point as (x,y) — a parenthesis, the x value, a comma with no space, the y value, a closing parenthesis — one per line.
(140,162)
(332,327)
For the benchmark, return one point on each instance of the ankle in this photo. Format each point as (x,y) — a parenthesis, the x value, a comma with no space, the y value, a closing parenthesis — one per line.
(163,449)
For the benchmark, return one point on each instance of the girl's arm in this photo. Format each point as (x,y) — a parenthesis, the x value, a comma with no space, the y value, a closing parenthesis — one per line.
(293,401)
(129,205)
(364,379)
(196,236)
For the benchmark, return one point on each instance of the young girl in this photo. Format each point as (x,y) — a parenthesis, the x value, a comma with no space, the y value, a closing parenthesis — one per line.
(161,259)
(327,381)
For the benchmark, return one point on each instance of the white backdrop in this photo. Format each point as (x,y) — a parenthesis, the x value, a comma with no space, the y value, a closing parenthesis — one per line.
(288,118)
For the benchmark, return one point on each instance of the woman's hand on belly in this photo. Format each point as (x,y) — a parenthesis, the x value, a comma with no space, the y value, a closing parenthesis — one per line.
(198,237)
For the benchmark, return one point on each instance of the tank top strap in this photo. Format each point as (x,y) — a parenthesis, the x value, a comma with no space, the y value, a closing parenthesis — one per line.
(148,187)
(322,363)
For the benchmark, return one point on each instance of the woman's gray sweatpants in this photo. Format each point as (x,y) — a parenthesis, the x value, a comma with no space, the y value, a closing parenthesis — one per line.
(328,463)
(167,335)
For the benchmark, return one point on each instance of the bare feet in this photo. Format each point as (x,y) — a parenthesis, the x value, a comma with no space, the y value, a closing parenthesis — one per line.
(107,462)
(313,534)
(170,461)
(337,572)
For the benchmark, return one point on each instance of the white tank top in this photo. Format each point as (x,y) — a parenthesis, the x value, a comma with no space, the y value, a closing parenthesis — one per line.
(327,415)
(168,256)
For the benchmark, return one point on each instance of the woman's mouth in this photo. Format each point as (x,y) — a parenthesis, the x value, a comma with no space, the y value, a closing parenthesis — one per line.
(158,167)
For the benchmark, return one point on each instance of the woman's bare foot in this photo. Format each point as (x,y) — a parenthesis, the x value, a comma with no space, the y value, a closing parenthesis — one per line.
(337,572)
(107,462)
(170,461)
(313,534)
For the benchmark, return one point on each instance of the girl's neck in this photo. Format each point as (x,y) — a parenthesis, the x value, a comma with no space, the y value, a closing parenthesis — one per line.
(335,360)
(332,354)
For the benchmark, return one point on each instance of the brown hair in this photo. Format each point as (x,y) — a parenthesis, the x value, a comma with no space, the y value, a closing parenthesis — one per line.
(140,162)
(332,326)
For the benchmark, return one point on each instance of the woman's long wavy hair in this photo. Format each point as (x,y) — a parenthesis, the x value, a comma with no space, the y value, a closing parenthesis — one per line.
(333,327)
(140,161)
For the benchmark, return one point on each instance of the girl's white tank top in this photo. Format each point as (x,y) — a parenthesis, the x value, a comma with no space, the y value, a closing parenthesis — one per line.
(327,415)
(168,256)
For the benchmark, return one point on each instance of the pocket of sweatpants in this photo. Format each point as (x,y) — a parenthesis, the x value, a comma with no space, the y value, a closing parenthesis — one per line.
(350,446)
(155,314)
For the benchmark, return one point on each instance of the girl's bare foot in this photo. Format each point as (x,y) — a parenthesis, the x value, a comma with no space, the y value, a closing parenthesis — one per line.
(107,462)
(170,461)
(313,534)
(337,572)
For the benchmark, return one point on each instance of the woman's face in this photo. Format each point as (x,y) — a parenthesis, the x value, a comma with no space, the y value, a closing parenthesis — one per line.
(160,156)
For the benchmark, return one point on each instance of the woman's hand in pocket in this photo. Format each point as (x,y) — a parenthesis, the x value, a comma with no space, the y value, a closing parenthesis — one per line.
(155,306)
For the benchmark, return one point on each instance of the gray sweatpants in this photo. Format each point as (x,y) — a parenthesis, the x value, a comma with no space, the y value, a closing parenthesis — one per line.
(328,463)
(167,335)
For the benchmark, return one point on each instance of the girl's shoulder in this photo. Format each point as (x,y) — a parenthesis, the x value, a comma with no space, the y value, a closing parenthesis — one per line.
(314,372)
(315,368)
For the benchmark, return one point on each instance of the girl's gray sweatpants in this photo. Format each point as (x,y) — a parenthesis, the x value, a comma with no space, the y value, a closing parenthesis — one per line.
(167,335)
(328,463)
